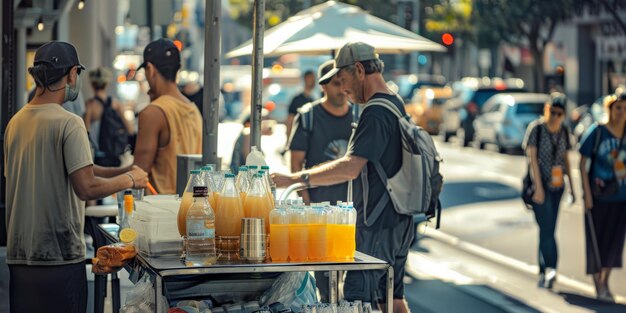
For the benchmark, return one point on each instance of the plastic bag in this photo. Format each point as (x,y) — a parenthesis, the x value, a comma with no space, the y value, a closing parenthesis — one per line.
(111,258)
(294,290)
(141,298)
(255,157)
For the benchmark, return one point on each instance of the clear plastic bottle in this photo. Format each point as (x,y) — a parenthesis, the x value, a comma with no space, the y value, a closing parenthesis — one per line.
(317,222)
(207,172)
(200,222)
(270,182)
(279,227)
(266,185)
(345,232)
(127,234)
(228,219)
(258,204)
(252,170)
(195,180)
(298,233)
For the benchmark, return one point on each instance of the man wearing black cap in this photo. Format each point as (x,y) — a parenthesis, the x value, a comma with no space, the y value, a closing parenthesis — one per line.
(49,173)
(380,230)
(170,124)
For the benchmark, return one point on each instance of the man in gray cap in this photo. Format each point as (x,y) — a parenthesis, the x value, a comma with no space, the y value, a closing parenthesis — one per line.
(50,172)
(381,232)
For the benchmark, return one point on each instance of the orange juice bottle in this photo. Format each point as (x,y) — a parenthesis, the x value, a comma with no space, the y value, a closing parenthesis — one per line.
(228,220)
(330,229)
(257,204)
(243,182)
(195,180)
(298,234)
(271,187)
(317,222)
(207,175)
(345,233)
(279,241)
(266,184)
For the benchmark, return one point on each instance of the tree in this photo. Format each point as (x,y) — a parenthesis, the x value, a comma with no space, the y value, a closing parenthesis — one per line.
(522,21)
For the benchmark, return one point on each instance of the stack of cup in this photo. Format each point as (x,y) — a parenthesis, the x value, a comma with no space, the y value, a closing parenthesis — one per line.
(253,240)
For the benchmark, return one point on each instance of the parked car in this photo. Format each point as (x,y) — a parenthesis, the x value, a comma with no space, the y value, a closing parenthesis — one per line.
(408,85)
(505,117)
(461,111)
(426,107)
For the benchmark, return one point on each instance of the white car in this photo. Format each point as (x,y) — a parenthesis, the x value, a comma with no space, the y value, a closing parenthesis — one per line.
(505,117)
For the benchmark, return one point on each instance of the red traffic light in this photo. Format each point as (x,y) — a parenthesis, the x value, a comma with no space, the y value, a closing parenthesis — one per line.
(447,39)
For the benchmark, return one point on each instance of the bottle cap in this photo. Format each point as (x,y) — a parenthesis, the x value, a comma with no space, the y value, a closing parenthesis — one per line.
(243,168)
(229,175)
(194,172)
(265,167)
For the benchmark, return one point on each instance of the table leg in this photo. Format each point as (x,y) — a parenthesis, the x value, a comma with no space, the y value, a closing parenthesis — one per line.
(333,286)
(99,292)
(390,289)
(115,291)
(158,284)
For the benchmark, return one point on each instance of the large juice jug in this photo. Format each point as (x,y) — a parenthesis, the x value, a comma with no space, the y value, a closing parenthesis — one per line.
(298,233)
(228,220)
(346,233)
(317,222)
(257,204)
(279,227)
(270,183)
(266,184)
(195,180)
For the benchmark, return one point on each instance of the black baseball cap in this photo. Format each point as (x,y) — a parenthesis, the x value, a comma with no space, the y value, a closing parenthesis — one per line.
(323,69)
(558,100)
(57,57)
(162,53)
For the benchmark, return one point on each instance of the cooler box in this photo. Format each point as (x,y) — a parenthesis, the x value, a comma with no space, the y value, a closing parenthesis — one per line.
(155,220)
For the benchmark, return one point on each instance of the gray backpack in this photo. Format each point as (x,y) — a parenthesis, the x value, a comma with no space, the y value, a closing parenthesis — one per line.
(415,189)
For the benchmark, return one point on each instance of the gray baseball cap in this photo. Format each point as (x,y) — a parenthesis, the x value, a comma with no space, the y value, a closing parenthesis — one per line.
(349,54)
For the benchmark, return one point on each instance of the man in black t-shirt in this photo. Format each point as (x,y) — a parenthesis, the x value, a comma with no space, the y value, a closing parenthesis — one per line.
(375,140)
(301,99)
(321,131)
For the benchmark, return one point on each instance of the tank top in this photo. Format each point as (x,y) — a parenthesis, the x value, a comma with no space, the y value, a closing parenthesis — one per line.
(185,124)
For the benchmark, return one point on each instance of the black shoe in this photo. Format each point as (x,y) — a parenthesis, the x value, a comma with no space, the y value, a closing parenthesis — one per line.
(542,280)
(550,278)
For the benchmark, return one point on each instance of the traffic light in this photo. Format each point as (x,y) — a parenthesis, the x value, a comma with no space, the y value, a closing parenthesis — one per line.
(447,39)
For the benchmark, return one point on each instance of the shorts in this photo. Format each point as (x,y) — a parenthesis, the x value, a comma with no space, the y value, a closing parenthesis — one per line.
(50,289)
(387,244)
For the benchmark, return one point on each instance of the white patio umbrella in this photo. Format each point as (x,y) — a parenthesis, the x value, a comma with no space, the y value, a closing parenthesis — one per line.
(328,26)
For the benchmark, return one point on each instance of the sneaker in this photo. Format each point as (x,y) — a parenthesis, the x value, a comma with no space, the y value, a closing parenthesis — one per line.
(605,296)
(550,278)
(542,280)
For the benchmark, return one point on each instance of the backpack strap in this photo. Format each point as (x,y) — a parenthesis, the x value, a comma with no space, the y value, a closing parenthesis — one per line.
(306,113)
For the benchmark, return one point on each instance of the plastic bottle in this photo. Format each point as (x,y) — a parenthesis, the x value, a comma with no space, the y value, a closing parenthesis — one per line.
(266,185)
(228,219)
(243,182)
(330,229)
(346,232)
(127,234)
(195,180)
(258,204)
(255,157)
(298,233)
(270,182)
(317,222)
(200,222)
(279,227)
(207,175)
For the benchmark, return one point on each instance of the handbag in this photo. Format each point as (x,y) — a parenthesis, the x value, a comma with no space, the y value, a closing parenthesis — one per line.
(528,188)
(608,187)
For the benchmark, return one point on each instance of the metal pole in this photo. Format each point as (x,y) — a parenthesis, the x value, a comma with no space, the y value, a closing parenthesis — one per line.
(257,73)
(211,91)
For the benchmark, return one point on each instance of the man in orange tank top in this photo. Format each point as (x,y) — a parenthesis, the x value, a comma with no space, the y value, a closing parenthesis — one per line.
(170,124)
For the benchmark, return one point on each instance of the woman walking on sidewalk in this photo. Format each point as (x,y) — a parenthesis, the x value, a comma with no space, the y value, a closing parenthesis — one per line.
(604,183)
(546,145)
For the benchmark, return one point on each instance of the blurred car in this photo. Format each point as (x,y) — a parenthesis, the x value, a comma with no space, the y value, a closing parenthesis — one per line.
(471,94)
(505,117)
(408,85)
(426,107)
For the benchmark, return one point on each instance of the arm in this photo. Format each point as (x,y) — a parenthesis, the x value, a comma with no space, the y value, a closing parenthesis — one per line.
(151,121)
(90,187)
(297,164)
(531,153)
(88,112)
(326,174)
(587,196)
(109,172)
(568,171)
(289,123)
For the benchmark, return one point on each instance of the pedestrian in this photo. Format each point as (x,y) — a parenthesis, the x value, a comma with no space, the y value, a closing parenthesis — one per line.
(49,173)
(170,124)
(321,131)
(376,140)
(301,99)
(546,145)
(104,118)
(604,185)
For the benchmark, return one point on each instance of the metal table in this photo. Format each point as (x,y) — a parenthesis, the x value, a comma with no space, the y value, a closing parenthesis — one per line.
(163,269)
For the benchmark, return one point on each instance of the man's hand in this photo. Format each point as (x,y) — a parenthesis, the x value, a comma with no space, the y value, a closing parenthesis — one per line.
(283,180)
(140,177)
(539,196)
(588,202)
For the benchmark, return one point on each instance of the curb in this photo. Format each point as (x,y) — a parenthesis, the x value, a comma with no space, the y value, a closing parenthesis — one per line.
(509,261)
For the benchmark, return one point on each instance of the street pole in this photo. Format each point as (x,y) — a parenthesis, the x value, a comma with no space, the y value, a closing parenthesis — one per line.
(211,91)
(257,73)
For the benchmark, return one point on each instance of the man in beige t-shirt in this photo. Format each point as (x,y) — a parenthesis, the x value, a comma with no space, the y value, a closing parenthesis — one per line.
(50,173)
(170,124)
